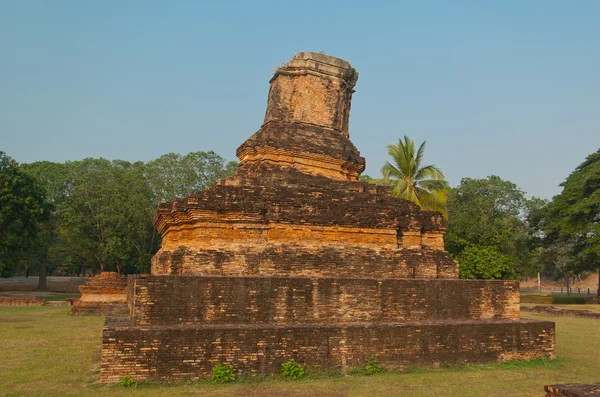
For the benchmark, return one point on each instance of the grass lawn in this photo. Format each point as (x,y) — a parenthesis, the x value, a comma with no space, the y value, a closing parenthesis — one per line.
(46,352)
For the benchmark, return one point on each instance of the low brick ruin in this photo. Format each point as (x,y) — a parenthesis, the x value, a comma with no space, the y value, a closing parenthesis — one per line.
(573,390)
(100,292)
(293,257)
(6,300)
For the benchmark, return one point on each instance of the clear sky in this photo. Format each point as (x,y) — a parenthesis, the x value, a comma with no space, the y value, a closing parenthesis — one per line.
(510,88)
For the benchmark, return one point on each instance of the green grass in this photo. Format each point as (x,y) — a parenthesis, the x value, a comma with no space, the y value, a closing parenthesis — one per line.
(46,352)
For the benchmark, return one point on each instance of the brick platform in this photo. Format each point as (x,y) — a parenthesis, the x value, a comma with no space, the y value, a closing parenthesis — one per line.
(297,300)
(191,351)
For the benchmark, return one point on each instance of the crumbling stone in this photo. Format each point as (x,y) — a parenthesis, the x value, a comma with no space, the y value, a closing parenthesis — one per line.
(100,292)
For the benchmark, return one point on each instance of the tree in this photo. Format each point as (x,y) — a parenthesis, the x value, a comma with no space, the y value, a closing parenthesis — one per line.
(485,263)
(491,214)
(56,180)
(173,175)
(573,218)
(23,207)
(422,185)
(106,220)
(104,210)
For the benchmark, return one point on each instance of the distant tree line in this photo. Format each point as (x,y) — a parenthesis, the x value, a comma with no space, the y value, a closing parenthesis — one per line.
(97,214)
(92,214)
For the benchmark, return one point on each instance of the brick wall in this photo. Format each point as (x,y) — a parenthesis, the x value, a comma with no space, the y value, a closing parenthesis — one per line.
(226,300)
(179,352)
(295,260)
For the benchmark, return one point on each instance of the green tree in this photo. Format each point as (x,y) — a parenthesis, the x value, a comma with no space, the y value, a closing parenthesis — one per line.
(572,222)
(485,263)
(107,217)
(173,175)
(23,208)
(422,185)
(491,213)
(56,180)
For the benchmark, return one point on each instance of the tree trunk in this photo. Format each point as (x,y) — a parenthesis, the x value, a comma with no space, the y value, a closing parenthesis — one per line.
(567,278)
(598,282)
(101,266)
(539,282)
(27,266)
(42,282)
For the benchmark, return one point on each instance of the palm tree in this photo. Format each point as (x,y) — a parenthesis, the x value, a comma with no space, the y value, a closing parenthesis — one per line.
(424,186)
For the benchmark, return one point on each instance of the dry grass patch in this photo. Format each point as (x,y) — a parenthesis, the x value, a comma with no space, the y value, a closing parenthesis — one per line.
(59,355)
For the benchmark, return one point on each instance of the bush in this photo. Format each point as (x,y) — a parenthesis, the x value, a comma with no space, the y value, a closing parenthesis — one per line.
(222,374)
(126,381)
(553,299)
(373,367)
(485,263)
(568,300)
(292,370)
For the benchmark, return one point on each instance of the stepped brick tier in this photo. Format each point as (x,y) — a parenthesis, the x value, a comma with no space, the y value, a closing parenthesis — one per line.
(100,292)
(294,257)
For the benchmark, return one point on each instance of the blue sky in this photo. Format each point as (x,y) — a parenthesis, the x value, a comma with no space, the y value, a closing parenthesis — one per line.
(510,88)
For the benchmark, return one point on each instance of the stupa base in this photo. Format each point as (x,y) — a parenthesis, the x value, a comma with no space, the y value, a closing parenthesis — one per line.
(178,352)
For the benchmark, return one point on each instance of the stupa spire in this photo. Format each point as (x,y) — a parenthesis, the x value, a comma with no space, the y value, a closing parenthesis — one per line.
(307,118)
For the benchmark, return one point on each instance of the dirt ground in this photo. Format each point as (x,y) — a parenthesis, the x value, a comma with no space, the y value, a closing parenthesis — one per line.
(590,281)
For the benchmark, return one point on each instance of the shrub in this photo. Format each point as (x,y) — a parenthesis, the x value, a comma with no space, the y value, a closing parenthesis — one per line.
(222,374)
(126,381)
(292,370)
(373,367)
(568,300)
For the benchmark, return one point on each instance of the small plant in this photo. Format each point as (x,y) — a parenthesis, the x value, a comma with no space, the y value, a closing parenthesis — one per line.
(373,367)
(292,370)
(222,374)
(126,381)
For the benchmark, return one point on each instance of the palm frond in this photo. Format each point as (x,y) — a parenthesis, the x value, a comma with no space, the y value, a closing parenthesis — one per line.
(424,186)
(429,172)
(433,201)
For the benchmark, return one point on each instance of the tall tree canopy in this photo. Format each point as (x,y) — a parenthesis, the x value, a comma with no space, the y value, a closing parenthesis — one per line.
(173,175)
(103,210)
(572,220)
(23,208)
(487,219)
(423,185)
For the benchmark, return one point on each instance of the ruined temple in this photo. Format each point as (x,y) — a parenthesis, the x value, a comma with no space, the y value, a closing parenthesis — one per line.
(294,257)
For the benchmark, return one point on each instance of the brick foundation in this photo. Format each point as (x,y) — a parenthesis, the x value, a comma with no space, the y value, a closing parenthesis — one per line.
(181,352)
(20,301)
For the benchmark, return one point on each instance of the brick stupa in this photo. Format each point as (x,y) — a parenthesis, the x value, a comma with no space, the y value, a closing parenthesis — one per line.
(294,257)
